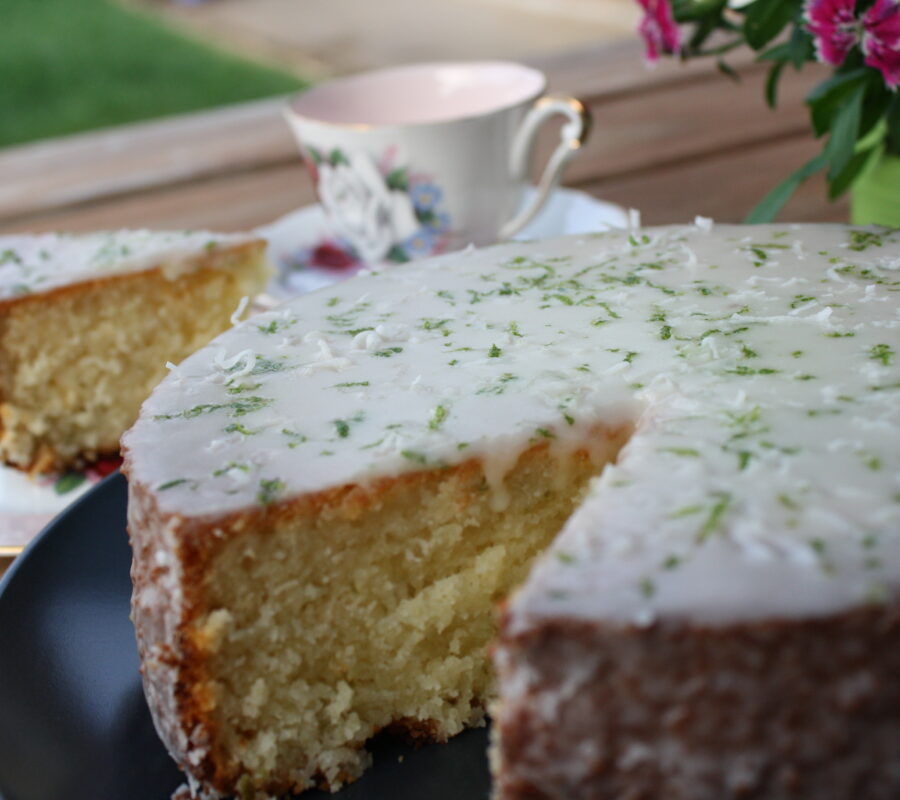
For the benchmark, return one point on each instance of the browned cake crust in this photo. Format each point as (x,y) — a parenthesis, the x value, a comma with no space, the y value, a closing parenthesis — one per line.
(174,653)
(49,320)
(210,259)
(779,710)
(174,596)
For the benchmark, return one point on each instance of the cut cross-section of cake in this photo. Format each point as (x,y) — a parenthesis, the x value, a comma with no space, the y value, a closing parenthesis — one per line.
(87,324)
(327,503)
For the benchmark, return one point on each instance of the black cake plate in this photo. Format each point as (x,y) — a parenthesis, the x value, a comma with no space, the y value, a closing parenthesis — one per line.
(73,720)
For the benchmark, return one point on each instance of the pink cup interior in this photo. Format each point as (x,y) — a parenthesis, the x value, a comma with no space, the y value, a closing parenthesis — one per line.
(420,93)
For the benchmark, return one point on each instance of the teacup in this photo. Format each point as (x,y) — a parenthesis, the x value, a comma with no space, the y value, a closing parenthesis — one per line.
(416,160)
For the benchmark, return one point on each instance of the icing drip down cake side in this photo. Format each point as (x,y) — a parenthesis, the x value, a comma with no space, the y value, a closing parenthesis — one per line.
(682,444)
(87,323)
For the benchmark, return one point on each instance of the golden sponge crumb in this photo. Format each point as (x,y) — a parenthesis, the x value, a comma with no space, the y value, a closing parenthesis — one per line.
(76,363)
(340,623)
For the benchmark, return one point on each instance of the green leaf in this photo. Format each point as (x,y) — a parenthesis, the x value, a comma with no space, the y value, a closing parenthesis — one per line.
(772,203)
(726,69)
(337,157)
(314,155)
(780,52)
(68,482)
(766,19)
(702,31)
(694,10)
(877,100)
(832,84)
(398,179)
(800,46)
(397,254)
(892,117)
(826,99)
(772,83)
(855,167)
(844,132)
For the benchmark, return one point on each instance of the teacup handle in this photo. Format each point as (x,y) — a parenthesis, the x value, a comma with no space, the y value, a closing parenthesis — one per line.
(572,136)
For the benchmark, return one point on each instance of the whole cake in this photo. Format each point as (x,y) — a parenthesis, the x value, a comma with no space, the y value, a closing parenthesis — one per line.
(88,322)
(327,503)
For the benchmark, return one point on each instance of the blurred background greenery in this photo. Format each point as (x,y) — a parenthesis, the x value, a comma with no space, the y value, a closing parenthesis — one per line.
(74,65)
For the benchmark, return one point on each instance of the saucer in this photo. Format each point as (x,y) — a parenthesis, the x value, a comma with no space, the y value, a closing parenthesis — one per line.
(308,256)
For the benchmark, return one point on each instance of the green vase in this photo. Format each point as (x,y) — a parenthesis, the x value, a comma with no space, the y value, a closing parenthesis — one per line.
(876,194)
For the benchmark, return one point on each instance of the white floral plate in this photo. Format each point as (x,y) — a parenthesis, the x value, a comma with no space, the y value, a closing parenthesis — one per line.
(307,256)
(28,503)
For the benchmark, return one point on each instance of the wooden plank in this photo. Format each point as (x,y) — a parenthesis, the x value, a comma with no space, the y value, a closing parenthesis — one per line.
(725,186)
(76,169)
(238,167)
(236,201)
(635,132)
(618,68)
(631,139)
(338,37)
(84,168)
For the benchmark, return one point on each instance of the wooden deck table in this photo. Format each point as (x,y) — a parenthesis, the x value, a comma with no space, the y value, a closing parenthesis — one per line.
(674,142)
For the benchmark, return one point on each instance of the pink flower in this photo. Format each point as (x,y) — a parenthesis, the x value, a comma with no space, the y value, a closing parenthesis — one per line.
(834,27)
(881,40)
(661,34)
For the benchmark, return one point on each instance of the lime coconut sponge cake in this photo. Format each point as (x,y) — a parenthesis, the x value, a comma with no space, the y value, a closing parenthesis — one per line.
(88,322)
(327,503)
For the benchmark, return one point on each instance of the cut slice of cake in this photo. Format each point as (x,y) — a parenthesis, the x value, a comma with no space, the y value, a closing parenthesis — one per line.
(327,503)
(87,324)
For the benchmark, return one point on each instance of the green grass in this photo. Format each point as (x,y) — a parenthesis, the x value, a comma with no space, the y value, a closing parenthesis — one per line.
(74,65)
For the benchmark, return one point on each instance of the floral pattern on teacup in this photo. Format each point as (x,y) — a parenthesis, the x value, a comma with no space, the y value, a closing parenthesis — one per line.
(383,212)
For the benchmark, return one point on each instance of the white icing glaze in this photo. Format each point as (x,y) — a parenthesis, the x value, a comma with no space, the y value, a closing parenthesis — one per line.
(38,263)
(760,366)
